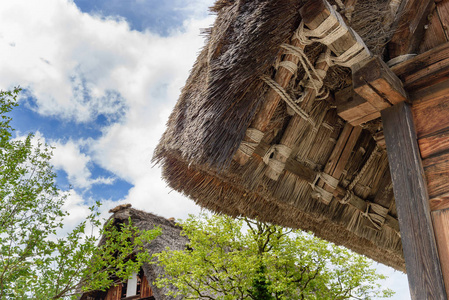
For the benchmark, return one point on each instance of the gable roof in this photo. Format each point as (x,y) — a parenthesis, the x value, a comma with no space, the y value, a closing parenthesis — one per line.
(170,237)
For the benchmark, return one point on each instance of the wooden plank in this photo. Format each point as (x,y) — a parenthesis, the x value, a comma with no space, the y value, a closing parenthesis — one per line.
(385,194)
(114,293)
(346,152)
(434,144)
(436,169)
(417,72)
(373,80)
(145,289)
(351,106)
(439,202)
(410,27)
(434,35)
(439,90)
(430,75)
(443,13)
(421,61)
(338,149)
(365,119)
(441,226)
(340,155)
(418,240)
(431,116)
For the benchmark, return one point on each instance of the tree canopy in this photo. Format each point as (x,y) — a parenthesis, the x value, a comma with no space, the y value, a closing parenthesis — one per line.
(36,262)
(246,259)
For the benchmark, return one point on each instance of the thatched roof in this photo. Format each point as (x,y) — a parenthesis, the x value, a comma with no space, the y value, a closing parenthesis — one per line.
(225,96)
(170,238)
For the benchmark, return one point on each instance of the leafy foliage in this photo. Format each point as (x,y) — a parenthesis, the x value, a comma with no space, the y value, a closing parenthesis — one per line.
(265,262)
(34,262)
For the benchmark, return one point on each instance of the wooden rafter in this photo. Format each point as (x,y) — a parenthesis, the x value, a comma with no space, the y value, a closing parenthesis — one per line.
(409,27)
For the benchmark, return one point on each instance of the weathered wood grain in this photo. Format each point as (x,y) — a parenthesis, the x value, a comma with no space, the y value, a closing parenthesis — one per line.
(373,80)
(410,27)
(439,90)
(145,289)
(434,144)
(443,13)
(440,220)
(340,154)
(431,116)
(434,34)
(412,201)
(351,107)
(436,169)
(424,70)
(114,293)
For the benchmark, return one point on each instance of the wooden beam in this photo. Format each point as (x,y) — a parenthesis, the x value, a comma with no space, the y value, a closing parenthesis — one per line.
(424,70)
(410,27)
(440,220)
(310,12)
(434,34)
(307,174)
(353,108)
(373,80)
(412,202)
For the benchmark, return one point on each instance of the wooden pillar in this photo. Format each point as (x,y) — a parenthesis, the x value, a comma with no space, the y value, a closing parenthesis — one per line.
(412,202)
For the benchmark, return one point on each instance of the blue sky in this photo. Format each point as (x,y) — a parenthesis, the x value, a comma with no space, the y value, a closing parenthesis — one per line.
(100,79)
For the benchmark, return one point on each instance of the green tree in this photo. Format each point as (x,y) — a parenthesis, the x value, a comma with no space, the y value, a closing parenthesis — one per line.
(34,262)
(264,261)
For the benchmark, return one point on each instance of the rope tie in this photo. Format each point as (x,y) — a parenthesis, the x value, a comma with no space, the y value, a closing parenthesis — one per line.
(323,33)
(327,126)
(376,153)
(248,147)
(289,66)
(377,216)
(321,193)
(286,97)
(275,164)
(347,198)
(312,74)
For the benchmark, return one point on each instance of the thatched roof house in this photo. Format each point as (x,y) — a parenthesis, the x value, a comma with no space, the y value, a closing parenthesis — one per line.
(280,117)
(170,237)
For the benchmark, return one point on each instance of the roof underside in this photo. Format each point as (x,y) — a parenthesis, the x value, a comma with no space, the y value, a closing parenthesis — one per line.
(224,96)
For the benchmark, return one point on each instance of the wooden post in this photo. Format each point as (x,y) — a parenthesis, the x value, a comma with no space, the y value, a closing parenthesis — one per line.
(412,202)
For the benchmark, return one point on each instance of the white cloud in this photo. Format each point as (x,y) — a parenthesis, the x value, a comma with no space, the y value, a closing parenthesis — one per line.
(78,66)
(69,158)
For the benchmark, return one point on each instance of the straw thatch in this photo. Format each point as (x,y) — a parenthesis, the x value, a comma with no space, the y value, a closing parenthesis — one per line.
(224,93)
(170,238)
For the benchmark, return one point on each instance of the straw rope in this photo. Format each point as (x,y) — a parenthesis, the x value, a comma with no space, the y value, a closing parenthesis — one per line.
(274,164)
(319,192)
(286,97)
(316,81)
(376,153)
(255,136)
(324,34)
(289,66)
(378,215)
